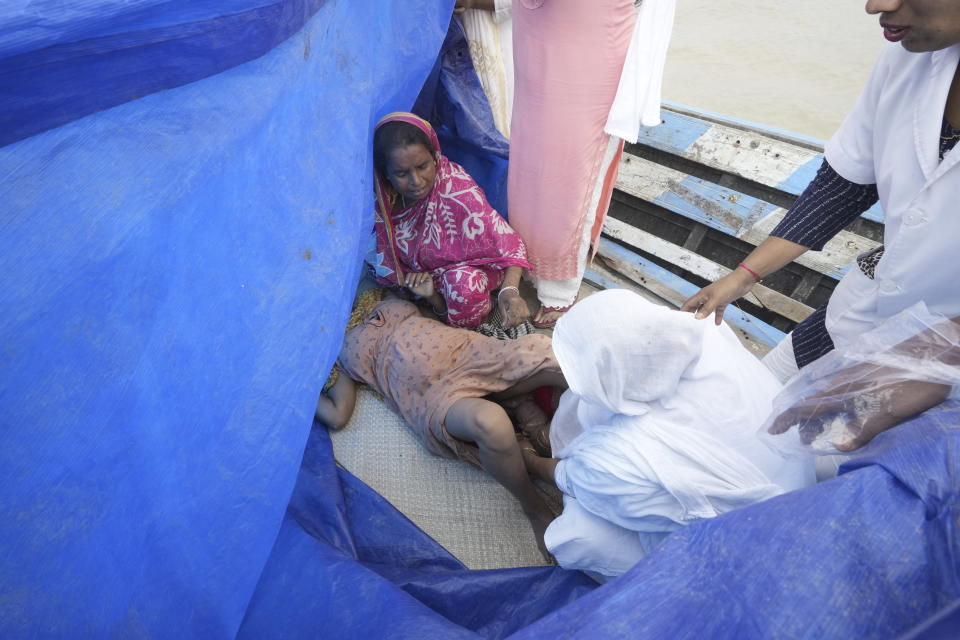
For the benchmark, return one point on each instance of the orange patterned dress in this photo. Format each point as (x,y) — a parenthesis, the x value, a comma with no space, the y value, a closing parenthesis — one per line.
(422,367)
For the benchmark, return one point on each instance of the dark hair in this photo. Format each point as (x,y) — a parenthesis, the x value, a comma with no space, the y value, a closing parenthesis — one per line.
(396,135)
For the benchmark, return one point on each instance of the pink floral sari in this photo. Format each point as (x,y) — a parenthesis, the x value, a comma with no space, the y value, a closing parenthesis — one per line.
(453,233)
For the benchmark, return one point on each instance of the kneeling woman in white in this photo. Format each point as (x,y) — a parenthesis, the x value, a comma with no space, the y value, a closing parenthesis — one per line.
(657,430)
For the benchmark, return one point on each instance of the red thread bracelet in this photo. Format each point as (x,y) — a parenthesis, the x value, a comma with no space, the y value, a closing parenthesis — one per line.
(753,273)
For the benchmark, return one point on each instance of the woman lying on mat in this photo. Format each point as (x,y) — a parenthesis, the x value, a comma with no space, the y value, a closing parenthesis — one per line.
(657,430)
(451,387)
(436,234)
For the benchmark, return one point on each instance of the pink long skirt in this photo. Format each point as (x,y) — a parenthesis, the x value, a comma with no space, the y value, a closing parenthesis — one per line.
(568,57)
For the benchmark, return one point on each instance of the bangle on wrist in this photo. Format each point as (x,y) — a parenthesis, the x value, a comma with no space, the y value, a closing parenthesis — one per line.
(502,289)
(753,273)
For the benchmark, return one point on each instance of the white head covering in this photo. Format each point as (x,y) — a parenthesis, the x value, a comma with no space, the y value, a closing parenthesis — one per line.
(623,353)
(669,407)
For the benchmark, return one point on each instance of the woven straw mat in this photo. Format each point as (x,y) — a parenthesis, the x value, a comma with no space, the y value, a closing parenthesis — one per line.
(461,507)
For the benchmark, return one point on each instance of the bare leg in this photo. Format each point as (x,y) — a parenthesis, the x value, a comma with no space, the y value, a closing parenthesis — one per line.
(487,424)
(525,410)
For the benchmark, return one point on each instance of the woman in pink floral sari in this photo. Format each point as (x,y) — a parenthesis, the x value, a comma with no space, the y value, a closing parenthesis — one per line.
(436,234)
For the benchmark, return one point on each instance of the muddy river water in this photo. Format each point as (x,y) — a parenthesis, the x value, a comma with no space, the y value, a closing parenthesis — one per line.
(797,65)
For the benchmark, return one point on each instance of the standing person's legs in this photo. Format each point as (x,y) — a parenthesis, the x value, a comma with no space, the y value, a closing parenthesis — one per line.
(568,61)
(557,296)
(487,424)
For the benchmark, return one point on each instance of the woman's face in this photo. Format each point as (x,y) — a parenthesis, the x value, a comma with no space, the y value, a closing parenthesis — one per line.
(412,170)
(919,25)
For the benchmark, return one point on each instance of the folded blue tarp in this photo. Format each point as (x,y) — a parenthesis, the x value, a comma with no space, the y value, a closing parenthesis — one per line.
(346,564)
(186,197)
(452,99)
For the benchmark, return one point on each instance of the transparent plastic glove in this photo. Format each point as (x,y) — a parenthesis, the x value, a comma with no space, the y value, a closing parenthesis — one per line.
(840,402)
(849,418)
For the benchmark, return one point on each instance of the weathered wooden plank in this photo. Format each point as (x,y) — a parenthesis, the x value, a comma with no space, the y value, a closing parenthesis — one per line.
(697,234)
(808,283)
(689,261)
(674,134)
(729,211)
(726,120)
(721,208)
(834,260)
(749,154)
(602,277)
(757,335)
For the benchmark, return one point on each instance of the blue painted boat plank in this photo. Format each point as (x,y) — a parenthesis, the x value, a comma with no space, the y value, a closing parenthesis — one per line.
(724,210)
(720,208)
(874,213)
(717,207)
(732,121)
(680,131)
(675,134)
(799,179)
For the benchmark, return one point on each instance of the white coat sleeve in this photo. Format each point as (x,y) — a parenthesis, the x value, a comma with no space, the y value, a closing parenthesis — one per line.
(850,150)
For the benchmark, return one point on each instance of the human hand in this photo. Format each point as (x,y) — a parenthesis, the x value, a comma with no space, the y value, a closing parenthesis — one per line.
(715,297)
(419,284)
(513,308)
(461,6)
(863,407)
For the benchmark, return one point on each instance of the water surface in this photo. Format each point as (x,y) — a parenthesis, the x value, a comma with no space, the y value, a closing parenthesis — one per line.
(797,65)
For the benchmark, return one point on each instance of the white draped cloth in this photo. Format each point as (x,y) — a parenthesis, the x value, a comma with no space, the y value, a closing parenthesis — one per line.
(658,430)
(490,37)
(641,84)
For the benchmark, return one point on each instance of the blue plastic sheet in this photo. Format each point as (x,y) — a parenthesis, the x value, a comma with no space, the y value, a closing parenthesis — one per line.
(453,101)
(348,565)
(61,61)
(186,192)
(175,275)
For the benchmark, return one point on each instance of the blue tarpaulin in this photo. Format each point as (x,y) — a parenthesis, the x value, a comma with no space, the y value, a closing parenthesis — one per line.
(186,196)
(452,99)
